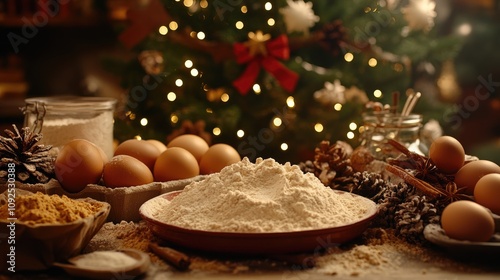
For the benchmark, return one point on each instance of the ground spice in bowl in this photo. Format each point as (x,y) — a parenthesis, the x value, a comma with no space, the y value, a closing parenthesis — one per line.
(39,208)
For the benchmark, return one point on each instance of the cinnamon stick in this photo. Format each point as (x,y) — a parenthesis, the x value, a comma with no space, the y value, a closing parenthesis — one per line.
(179,260)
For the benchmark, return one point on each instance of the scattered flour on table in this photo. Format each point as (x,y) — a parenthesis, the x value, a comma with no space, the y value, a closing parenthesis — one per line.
(264,196)
(105,260)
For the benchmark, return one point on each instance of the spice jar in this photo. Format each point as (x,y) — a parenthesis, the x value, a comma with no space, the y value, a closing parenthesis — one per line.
(64,118)
(379,127)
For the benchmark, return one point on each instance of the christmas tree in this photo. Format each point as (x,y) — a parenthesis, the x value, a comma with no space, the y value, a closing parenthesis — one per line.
(274,78)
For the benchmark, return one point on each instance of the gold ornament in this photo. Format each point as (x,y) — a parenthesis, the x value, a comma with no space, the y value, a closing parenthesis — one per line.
(257,43)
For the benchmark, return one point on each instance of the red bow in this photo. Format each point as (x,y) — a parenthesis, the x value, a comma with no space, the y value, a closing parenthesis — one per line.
(276,49)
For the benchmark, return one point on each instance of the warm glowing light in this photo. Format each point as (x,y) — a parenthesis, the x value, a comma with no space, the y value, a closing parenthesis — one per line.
(171,96)
(174,118)
(216,131)
(268,6)
(144,121)
(350,135)
(353,126)
(398,67)
(138,137)
(277,121)
(192,34)
(271,22)
(194,72)
(163,30)
(200,35)
(188,63)
(337,107)
(318,127)
(464,29)
(209,110)
(361,129)
(377,93)
(179,82)
(290,102)
(188,3)
(203,4)
(244,9)
(256,88)
(240,133)
(284,146)
(372,62)
(348,57)
(224,97)
(173,25)
(239,25)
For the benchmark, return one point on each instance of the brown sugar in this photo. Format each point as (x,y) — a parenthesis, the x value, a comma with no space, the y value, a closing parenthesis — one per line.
(39,208)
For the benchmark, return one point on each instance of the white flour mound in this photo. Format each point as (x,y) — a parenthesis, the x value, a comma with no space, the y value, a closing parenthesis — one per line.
(261,197)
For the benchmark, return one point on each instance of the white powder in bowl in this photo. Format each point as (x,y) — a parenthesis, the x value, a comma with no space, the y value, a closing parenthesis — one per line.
(261,197)
(104,260)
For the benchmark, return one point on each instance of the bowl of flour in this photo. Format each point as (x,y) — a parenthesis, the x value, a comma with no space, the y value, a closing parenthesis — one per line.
(258,208)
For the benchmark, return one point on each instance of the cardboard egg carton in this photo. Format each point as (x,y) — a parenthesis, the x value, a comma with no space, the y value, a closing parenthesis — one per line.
(125,202)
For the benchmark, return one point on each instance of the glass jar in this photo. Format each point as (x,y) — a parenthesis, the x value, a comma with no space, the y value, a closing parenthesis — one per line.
(380,127)
(63,118)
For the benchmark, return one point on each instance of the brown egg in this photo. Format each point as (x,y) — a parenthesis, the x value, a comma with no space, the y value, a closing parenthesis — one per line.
(175,164)
(217,157)
(447,154)
(471,172)
(141,150)
(158,144)
(78,164)
(125,171)
(192,143)
(487,192)
(467,220)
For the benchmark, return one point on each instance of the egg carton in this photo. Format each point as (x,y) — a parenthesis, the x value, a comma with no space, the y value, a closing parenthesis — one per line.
(125,202)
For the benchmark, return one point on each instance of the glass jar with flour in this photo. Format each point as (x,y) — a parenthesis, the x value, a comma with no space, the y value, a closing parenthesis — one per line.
(63,118)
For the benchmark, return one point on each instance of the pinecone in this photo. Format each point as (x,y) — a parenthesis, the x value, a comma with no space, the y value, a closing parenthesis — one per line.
(412,217)
(389,202)
(367,184)
(332,162)
(33,162)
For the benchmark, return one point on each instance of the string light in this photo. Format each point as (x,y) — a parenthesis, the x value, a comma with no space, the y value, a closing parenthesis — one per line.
(337,107)
(271,22)
(348,57)
(174,118)
(244,9)
(290,102)
(163,30)
(224,97)
(464,29)
(372,62)
(188,3)
(188,63)
(173,25)
(277,122)
(350,135)
(171,96)
(318,127)
(138,137)
(256,88)
(240,133)
(353,126)
(377,93)
(284,146)
(200,35)
(144,121)
(216,131)
(268,6)
(179,82)
(239,25)
(194,72)
(203,4)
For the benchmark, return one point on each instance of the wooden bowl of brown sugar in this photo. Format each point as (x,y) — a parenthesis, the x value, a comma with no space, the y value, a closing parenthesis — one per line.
(43,229)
